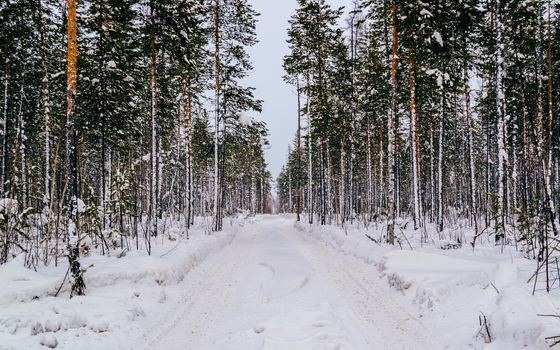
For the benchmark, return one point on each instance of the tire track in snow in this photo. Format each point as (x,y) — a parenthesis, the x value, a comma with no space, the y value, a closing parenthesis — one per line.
(271,288)
(191,316)
(394,326)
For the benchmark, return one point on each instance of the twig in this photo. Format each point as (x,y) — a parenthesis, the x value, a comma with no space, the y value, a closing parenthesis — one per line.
(63,280)
(556,340)
(172,249)
(492,284)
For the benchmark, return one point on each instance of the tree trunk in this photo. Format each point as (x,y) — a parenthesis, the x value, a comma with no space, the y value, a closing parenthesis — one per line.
(5,129)
(298,154)
(73,241)
(391,131)
(369,170)
(501,126)
(309,155)
(468,114)
(188,128)
(549,167)
(153,222)
(440,161)
(217,67)
(413,137)
(46,109)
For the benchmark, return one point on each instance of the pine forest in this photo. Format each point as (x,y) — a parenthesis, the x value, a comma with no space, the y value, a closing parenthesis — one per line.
(280,174)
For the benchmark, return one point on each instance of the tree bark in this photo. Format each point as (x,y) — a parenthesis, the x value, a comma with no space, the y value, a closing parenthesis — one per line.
(73,242)
(298,153)
(154,134)
(413,138)
(391,176)
(217,67)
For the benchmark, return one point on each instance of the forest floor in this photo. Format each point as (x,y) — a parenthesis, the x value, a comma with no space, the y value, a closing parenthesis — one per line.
(269,283)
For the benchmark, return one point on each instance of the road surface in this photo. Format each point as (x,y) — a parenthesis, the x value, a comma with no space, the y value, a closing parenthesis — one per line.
(274,288)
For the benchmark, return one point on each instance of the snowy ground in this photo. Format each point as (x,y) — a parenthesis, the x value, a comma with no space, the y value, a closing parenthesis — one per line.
(273,289)
(271,284)
(454,290)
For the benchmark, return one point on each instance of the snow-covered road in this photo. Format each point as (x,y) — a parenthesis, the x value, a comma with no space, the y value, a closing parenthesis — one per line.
(273,288)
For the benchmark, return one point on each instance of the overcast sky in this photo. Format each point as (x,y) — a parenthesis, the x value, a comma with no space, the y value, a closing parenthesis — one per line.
(280,104)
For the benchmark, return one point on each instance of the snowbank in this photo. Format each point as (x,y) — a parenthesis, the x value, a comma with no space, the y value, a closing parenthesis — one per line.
(119,291)
(467,293)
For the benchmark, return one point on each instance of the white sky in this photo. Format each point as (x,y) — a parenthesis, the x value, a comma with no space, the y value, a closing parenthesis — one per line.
(280,104)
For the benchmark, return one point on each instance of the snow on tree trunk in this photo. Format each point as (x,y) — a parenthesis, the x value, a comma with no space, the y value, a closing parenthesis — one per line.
(298,153)
(46,109)
(391,131)
(73,242)
(154,137)
(187,126)
(413,137)
(549,167)
(432,171)
(342,194)
(440,161)
(21,142)
(369,171)
(470,145)
(5,128)
(216,115)
(309,155)
(501,125)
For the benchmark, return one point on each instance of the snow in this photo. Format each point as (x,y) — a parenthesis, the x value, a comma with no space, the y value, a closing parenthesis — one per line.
(58,74)
(111,65)
(438,38)
(122,293)
(245,120)
(9,205)
(451,288)
(269,283)
(81,205)
(426,13)
(274,289)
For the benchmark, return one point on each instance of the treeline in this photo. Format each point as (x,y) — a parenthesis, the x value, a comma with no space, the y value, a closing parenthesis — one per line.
(436,112)
(120,115)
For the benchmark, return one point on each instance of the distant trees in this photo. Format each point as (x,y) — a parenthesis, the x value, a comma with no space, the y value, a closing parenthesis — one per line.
(450,113)
(101,149)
